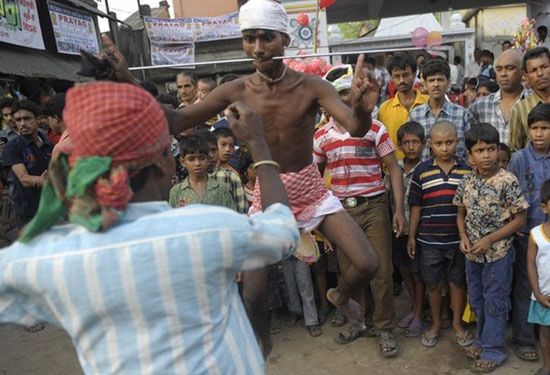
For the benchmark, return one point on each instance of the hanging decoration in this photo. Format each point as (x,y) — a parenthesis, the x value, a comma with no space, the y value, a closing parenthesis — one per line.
(526,37)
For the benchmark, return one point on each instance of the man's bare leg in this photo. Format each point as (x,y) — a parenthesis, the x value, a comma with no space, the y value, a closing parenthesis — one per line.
(255,301)
(346,235)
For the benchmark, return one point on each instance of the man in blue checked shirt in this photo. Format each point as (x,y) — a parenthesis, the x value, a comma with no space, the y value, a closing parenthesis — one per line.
(146,289)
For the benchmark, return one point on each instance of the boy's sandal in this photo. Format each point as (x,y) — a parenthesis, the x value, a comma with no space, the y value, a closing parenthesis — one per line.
(429,340)
(543,371)
(35,328)
(526,353)
(315,330)
(354,331)
(473,352)
(407,320)
(415,328)
(483,366)
(292,319)
(338,320)
(387,344)
(465,339)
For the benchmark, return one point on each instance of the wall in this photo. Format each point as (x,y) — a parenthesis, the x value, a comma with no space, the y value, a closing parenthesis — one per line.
(203,8)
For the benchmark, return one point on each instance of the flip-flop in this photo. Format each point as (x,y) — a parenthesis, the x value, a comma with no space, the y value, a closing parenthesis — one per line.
(351,309)
(465,339)
(407,320)
(473,352)
(351,334)
(522,351)
(415,328)
(479,368)
(338,320)
(315,330)
(429,340)
(35,328)
(387,344)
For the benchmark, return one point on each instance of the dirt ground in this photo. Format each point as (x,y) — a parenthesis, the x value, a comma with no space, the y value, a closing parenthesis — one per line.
(50,352)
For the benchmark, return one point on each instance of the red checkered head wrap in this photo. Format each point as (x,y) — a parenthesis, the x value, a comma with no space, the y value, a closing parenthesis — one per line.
(117,120)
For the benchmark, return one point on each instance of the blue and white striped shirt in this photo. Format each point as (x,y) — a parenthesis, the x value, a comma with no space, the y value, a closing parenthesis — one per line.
(156,294)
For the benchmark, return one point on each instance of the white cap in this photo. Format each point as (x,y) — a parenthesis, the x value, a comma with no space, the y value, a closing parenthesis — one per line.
(263,14)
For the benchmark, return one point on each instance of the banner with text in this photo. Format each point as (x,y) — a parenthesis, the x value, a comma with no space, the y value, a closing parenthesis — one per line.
(199,29)
(170,55)
(73,30)
(19,23)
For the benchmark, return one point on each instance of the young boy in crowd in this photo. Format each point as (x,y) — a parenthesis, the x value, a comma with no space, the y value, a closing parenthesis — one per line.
(491,208)
(205,87)
(226,147)
(411,140)
(248,176)
(504,155)
(531,166)
(538,266)
(224,176)
(433,232)
(198,186)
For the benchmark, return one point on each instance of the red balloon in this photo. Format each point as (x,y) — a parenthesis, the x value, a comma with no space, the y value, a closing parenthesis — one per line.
(303,19)
(326,3)
(302,53)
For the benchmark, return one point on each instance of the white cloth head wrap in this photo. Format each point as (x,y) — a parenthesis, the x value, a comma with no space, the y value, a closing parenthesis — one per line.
(343,82)
(263,14)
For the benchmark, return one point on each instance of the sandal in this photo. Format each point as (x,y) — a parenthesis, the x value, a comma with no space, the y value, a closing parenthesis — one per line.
(351,309)
(354,331)
(543,371)
(429,340)
(35,328)
(274,327)
(339,319)
(415,328)
(407,320)
(292,319)
(526,353)
(483,366)
(473,352)
(464,339)
(387,344)
(315,330)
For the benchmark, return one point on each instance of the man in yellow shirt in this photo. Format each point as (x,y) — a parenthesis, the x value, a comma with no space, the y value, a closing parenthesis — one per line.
(394,112)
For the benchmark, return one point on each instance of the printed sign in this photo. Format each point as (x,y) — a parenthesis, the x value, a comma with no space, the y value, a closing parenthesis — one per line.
(73,30)
(170,55)
(215,28)
(19,23)
(176,30)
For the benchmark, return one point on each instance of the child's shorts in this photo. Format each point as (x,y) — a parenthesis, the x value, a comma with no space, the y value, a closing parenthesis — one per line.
(400,256)
(538,314)
(438,264)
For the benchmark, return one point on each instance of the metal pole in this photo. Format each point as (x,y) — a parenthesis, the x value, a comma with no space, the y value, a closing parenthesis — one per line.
(232,61)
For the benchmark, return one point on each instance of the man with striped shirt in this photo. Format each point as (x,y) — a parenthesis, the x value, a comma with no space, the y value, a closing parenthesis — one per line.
(155,293)
(433,233)
(358,181)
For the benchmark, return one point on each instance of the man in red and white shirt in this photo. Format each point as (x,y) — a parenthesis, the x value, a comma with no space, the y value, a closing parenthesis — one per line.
(355,165)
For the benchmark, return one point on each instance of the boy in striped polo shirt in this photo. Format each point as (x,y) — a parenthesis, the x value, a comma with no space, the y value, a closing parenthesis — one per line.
(433,233)
(357,180)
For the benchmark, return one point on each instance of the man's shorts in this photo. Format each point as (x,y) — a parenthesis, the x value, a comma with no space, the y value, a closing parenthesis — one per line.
(436,264)
(400,256)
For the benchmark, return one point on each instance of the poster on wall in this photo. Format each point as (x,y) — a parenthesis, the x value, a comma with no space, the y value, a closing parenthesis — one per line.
(170,55)
(73,30)
(175,30)
(19,23)
(216,28)
(302,33)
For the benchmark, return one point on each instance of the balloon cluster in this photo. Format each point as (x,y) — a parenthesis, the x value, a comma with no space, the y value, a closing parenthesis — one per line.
(317,66)
(526,37)
(420,37)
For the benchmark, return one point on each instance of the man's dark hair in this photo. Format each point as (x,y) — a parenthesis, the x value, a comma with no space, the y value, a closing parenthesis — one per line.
(54,106)
(193,144)
(457,60)
(208,136)
(228,78)
(543,28)
(370,60)
(401,61)
(169,99)
(541,112)
(491,86)
(486,53)
(244,163)
(224,133)
(545,192)
(210,82)
(434,67)
(506,42)
(27,105)
(6,102)
(533,54)
(411,128)
(504,147)
(482,132)
(192,76)
(150,87)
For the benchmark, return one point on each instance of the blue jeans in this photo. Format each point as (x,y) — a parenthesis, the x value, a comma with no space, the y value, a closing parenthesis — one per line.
(523,331)
(489,286)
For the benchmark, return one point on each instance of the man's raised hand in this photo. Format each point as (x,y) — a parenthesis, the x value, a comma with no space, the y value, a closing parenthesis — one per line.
(245,123)
(116,60)
(364,90)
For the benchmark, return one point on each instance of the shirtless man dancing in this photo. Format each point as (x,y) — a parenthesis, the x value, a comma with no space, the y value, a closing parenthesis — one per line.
(288,102)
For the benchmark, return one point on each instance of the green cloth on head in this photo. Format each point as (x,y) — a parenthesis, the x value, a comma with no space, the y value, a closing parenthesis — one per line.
(69,185)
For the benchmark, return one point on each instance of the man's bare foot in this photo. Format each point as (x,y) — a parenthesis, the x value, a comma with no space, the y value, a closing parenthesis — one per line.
(350,308)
